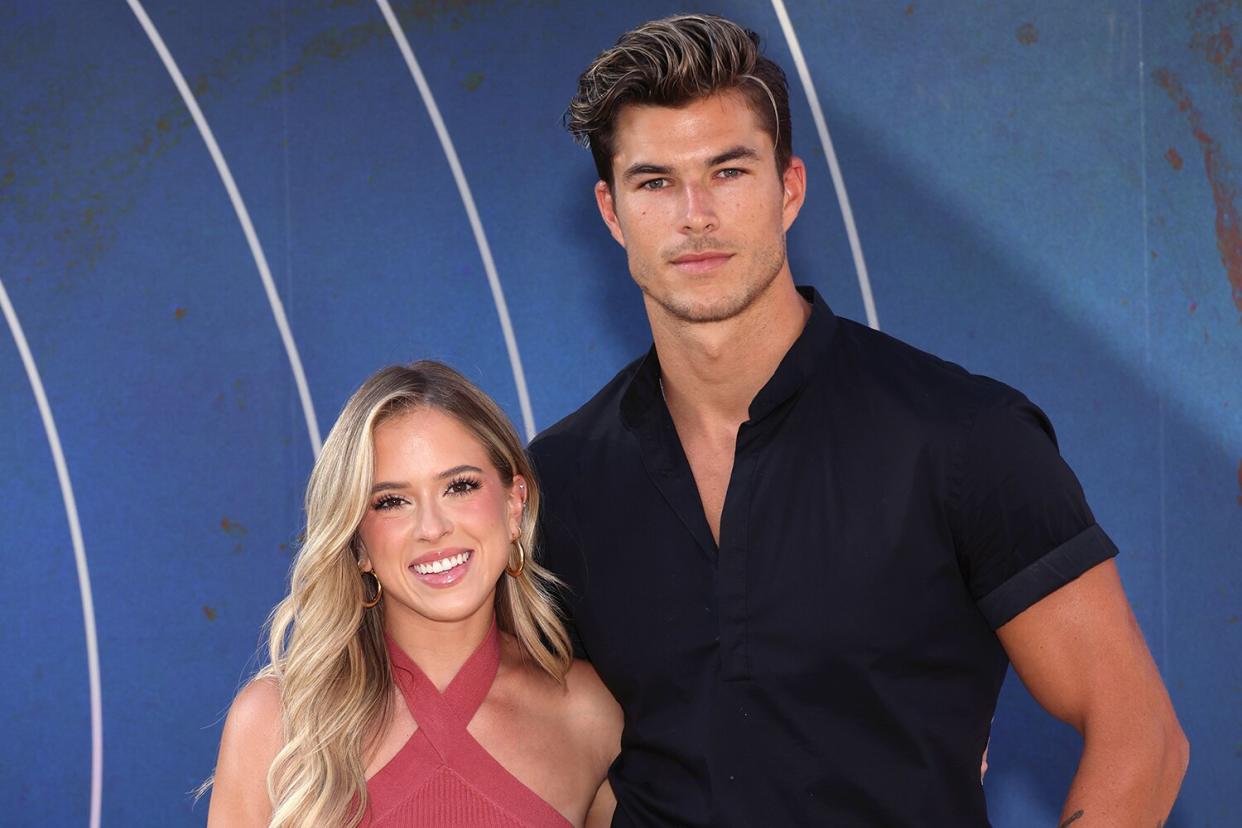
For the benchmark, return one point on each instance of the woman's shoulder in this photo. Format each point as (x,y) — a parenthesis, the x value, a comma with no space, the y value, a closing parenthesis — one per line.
(252,737)
(580,704)
(588,693)
(252,730)
(257,705)
(592,713)
(576,718)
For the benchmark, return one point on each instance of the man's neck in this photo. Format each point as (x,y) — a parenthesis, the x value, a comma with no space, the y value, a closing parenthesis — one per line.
(711,372)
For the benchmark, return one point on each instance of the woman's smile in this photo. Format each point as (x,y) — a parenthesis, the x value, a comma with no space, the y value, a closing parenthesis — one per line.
(442,568)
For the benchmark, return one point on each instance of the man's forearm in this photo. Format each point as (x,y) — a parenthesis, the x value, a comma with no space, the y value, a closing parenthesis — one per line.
(1126,780)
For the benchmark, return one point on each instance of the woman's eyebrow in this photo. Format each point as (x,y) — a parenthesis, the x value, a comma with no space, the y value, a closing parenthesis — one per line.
(456,470)
(387,485)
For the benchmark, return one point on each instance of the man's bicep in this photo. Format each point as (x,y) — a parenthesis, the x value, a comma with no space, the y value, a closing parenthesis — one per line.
(1080,651)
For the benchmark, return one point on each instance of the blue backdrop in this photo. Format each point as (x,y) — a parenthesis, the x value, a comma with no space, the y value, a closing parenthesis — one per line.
(1043,192)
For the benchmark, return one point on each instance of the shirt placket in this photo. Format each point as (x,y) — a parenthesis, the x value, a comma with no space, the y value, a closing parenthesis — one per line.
(732,562)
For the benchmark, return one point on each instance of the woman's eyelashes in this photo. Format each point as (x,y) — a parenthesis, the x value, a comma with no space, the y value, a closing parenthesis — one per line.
(387,502)
(458,487)
(463,485)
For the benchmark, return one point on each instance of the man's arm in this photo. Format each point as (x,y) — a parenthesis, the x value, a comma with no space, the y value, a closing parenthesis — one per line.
(1080,653)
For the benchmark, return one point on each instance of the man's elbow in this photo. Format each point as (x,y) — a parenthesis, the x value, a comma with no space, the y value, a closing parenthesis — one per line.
(1168,755)
(1145,754)
(1176,754)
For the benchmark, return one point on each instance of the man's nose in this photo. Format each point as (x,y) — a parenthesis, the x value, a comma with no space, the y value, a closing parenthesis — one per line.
(700,209)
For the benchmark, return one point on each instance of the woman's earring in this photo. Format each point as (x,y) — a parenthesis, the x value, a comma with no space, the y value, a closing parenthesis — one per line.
(516,571)
(379,589)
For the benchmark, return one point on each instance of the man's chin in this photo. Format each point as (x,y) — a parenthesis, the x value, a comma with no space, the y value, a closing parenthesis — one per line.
(705,310)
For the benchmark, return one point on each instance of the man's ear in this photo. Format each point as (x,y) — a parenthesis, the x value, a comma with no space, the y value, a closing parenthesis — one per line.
(794,183)
(608,210)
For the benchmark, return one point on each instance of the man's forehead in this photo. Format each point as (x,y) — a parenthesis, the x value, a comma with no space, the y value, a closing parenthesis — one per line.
(693,132)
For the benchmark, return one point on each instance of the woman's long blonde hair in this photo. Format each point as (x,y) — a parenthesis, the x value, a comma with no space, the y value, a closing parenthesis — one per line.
(326,651)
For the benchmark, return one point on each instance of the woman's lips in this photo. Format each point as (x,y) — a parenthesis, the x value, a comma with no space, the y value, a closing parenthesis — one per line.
(442,570)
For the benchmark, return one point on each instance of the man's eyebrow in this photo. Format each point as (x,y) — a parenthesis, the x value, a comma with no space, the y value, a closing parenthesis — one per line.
(734,154)
(641,168)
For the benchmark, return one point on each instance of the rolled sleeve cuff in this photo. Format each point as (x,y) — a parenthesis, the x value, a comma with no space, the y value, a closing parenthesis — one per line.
(1046,575)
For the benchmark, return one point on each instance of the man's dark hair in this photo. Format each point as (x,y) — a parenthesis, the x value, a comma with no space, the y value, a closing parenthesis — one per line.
(673,62)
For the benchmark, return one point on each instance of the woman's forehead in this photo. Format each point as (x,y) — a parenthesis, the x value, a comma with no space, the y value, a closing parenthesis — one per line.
(423,439)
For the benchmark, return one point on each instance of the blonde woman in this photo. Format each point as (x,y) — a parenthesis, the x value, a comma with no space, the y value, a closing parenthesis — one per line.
(419,674)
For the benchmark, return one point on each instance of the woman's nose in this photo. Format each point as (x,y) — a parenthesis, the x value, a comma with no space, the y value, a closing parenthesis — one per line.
(433,522)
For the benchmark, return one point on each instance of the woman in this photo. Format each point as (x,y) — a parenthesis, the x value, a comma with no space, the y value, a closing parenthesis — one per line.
(419,674)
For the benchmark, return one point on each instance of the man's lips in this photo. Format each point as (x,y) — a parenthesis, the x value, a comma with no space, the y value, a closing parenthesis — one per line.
(700,262)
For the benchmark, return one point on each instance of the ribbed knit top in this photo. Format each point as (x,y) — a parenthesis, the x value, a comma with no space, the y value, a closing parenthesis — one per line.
(442,777)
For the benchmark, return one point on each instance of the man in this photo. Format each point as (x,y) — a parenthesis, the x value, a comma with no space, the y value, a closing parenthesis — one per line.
(800,552)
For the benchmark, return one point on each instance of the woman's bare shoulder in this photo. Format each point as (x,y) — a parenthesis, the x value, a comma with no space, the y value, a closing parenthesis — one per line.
(257,709)
(251,739)
(593,712)
(586,688)
(579,706)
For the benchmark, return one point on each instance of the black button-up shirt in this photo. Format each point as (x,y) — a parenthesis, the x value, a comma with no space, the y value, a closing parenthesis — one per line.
(834,661)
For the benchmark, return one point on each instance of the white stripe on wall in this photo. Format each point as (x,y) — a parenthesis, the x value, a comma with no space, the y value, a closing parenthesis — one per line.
(79,554)
(463,188)
(243,216)
(834,168)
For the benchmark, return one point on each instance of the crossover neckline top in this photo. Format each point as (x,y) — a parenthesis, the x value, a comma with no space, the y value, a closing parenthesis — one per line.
(442,776)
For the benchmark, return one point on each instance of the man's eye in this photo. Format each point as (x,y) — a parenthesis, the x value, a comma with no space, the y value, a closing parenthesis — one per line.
(731,172)
(654,184)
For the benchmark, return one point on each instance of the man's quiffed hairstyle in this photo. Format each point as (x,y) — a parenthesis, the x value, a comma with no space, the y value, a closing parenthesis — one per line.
(673,62)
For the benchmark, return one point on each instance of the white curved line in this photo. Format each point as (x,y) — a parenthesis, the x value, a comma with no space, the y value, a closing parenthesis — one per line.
(834,168)
(243,216)
(79,554)
(485,251)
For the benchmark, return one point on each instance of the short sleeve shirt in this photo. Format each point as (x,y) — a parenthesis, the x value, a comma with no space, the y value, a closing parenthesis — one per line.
(834,660)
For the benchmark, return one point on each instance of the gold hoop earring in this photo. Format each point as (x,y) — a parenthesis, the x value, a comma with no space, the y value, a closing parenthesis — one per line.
(379,589)
(513,573)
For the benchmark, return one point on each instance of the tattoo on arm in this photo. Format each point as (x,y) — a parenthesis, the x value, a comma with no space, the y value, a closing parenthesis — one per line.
(1074,817)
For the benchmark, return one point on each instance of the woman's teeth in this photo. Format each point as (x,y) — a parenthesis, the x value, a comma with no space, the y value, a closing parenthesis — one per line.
(442,565)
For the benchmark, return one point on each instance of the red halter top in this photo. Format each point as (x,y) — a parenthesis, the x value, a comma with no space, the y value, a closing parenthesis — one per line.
(442,777)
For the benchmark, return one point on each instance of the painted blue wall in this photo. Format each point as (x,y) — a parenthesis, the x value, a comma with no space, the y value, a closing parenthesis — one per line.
(1044,193)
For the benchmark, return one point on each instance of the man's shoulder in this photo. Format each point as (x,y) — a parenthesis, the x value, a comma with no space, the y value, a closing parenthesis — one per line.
(596,420)
(904,372)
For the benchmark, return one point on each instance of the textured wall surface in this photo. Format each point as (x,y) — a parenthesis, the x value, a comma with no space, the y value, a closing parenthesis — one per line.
(1043,192)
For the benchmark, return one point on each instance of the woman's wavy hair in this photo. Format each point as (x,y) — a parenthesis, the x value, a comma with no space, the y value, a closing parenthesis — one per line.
(673,62)
(326,650)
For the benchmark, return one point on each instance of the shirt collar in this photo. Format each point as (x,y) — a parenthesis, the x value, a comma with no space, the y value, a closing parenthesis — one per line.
(795,369)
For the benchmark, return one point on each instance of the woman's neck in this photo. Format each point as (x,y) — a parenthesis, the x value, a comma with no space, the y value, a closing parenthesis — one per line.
(439,648)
